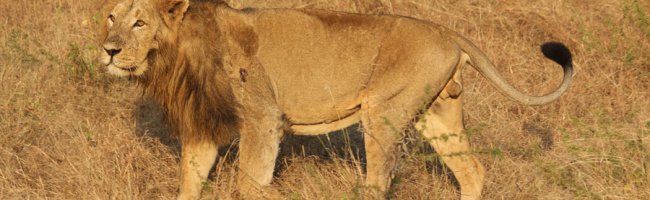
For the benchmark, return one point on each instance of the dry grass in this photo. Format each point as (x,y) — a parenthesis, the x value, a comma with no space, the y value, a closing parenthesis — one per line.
(68,131)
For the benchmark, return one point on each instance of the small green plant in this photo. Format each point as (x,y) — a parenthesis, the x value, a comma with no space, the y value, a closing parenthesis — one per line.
(588,38)
(293,196)
(392,127)
(312,171)
(629,57)
(392,189)
(632,10)
(357,192)
(78,64)
(89,135)
(206,186)
(17,47)
(97,17)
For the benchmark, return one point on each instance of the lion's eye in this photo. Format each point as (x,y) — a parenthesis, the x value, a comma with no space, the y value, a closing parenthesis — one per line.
(139,23)
(111,18)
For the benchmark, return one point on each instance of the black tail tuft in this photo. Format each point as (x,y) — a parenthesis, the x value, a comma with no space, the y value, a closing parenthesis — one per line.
(557,52)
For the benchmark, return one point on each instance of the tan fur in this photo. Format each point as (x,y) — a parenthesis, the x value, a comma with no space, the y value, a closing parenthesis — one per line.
(219,71)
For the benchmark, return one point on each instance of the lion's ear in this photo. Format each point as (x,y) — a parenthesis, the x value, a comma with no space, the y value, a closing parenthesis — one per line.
(173,10)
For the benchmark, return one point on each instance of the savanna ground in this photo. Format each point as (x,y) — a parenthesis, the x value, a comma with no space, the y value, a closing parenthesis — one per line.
(70,131)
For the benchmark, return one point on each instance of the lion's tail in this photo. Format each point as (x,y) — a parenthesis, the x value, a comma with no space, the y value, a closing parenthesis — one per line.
(555,51)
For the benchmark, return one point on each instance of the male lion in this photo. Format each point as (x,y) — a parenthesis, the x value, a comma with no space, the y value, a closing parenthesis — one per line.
(218,71)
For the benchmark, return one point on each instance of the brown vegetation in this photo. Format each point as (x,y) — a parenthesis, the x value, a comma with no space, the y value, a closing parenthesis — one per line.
(70,131)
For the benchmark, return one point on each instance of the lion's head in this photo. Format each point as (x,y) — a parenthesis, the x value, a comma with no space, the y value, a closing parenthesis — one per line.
(135,30)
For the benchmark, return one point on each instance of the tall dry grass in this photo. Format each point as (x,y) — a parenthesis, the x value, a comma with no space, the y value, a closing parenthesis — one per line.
(69,131)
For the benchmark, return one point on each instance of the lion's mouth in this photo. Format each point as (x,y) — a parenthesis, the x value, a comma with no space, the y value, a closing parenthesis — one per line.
(126,70)
(129,69)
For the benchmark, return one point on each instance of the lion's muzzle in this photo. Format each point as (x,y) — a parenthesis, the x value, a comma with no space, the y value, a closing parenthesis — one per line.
(111,50)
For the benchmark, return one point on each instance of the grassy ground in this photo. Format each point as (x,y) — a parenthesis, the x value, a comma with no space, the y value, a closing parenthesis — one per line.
(69,131)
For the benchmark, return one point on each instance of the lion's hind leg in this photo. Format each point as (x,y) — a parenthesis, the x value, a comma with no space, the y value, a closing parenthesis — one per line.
(442,126)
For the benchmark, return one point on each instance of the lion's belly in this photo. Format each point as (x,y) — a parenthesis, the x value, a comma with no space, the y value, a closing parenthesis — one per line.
(305,109)
(309,92)
(313,97)
(315,87)
(317,73)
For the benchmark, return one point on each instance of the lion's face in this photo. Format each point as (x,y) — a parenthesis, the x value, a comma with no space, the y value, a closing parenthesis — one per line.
(130,44)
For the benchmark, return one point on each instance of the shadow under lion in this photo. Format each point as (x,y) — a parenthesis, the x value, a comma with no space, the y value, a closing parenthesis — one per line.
(346,144)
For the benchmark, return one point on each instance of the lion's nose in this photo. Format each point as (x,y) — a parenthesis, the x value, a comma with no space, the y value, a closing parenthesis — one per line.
(112,50)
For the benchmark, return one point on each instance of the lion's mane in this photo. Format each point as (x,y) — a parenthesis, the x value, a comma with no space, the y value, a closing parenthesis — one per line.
(199,103)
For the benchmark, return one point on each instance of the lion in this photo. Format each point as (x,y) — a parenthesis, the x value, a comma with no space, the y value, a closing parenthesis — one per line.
(220,72)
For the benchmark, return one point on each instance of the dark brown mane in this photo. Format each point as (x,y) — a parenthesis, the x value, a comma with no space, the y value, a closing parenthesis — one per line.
(192,87)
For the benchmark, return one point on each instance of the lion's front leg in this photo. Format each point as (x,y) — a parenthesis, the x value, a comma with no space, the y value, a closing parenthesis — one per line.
(197,159)
(259,146)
